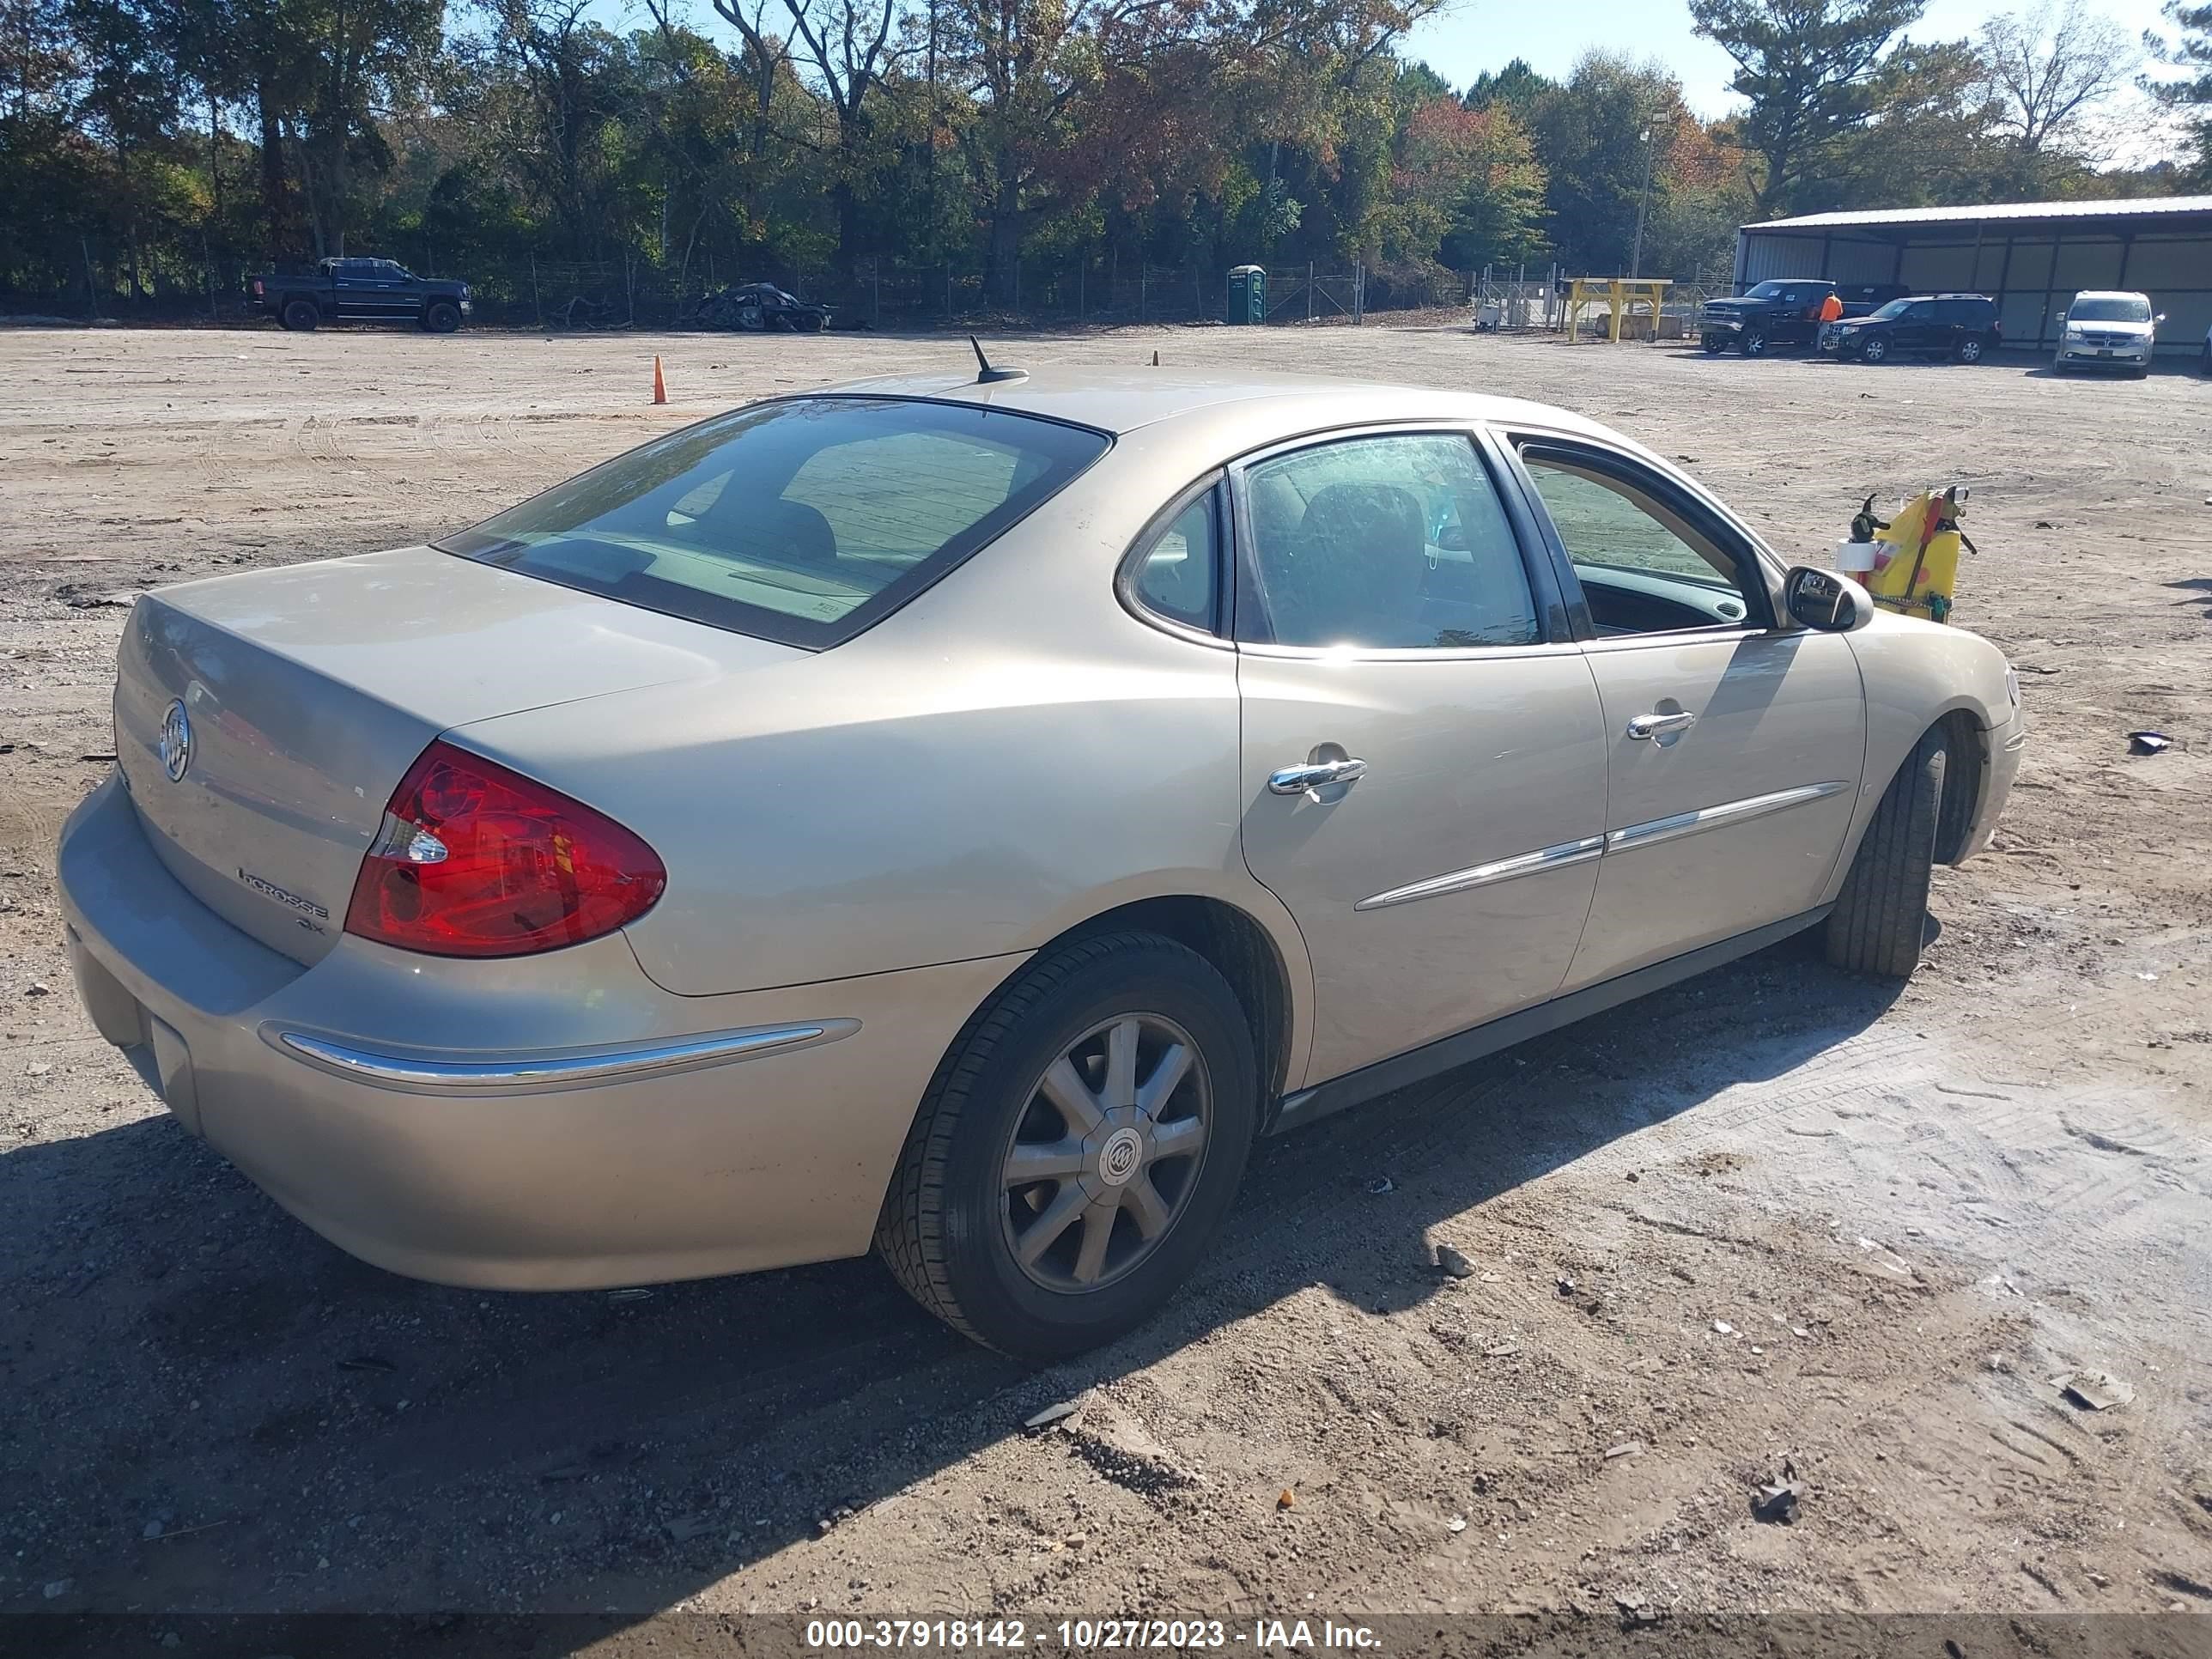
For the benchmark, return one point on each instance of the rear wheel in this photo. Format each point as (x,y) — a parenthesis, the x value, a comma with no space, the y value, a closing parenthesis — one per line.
(1714,344)
(1882,915)
(1076,1150)
(441,317)
(1873,351)
(300,316)
(1970,348)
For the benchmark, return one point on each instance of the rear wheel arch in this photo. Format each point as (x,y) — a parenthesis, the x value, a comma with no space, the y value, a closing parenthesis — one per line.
(1240,949)
(1275,992)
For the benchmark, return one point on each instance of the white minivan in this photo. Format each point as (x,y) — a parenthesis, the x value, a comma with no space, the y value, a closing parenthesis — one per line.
(2107,329)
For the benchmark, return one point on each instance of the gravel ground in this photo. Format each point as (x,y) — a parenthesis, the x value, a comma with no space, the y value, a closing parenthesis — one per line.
(1773,1221)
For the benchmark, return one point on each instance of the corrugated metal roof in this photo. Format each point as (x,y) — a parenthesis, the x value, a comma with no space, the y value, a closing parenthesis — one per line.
(2144,207)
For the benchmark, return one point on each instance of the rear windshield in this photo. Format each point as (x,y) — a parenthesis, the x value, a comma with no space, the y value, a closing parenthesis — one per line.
(802,521)
(2119,309)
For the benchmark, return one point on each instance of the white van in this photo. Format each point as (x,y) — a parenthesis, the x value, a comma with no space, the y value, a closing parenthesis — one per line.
(2108,329)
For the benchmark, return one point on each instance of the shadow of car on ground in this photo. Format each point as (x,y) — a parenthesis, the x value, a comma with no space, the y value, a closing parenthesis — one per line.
(212,1410)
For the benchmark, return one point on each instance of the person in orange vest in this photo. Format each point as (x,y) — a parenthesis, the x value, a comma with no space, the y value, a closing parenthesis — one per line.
(1832,308)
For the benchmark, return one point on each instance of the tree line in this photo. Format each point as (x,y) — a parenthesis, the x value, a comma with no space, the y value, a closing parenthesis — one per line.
(146,144)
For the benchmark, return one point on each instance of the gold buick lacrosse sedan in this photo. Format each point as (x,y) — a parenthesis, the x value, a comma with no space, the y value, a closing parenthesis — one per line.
(956,817)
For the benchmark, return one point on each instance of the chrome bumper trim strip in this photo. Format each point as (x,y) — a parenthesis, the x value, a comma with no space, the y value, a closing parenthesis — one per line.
(509,1074)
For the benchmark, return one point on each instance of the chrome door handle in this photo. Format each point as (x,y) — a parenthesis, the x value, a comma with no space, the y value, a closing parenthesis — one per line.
(1658,725)
(1296,780)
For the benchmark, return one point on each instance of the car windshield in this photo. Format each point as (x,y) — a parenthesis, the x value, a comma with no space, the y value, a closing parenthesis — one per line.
(1894,308)
(804,520)
(2113,308)
(1766,291)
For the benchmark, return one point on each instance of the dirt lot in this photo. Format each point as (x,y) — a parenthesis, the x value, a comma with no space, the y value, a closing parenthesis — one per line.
(1773,1219)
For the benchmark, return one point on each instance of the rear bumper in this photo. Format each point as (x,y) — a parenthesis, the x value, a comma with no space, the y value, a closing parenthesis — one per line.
(549,1122)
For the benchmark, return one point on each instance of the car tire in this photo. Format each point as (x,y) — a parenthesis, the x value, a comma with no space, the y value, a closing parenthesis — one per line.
(300,316)
(1971,348)
(750,319)
(441,317)
(1754,344)
(1714,345)
(1881,913)
(955,1222)
(1875,350)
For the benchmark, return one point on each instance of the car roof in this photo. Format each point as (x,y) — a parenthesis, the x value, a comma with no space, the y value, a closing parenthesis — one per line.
(1116,399)
(2110,294)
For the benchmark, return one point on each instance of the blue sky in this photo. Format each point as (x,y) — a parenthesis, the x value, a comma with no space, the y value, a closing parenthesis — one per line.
(1473,36)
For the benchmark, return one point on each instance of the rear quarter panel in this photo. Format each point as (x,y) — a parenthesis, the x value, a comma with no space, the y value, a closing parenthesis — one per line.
(1006,757)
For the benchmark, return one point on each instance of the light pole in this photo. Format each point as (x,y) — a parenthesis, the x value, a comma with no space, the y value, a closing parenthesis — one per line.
(1643,206)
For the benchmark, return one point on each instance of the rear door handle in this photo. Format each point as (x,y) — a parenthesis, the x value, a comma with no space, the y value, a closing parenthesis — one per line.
(1646,726)
(1296,780)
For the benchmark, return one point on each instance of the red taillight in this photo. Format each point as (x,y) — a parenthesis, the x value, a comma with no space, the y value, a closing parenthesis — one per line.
(475,860)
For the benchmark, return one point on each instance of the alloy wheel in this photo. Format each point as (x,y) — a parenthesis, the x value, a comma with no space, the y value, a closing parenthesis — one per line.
(1105,1154)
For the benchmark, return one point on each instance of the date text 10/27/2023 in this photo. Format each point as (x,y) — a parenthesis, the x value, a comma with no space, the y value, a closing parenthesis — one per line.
(985,1636)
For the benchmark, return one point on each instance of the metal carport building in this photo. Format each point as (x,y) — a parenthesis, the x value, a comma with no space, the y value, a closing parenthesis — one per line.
(2031,257)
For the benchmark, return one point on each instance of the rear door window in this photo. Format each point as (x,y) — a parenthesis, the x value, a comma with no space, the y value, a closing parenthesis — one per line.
(804,521)
(1395,542)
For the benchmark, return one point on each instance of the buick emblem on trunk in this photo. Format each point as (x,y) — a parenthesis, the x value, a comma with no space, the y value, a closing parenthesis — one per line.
(176,747)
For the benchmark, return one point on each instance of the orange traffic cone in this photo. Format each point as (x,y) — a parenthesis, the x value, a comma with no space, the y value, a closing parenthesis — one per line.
(659,386)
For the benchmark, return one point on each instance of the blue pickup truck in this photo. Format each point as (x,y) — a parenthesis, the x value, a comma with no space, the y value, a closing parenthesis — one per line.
(361,291)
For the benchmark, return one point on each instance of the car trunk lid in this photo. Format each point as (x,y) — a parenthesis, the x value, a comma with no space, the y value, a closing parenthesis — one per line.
(305,693)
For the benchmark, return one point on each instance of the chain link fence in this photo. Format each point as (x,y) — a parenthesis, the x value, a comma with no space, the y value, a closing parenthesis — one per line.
(636,289)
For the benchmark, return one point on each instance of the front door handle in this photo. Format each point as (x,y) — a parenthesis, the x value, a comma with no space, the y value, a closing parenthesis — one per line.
(1296,780)
(1646,726)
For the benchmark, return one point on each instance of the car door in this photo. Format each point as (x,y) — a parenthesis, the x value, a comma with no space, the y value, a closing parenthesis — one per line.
(1917,328)
(1423,757)
(1734,745)
(353,293)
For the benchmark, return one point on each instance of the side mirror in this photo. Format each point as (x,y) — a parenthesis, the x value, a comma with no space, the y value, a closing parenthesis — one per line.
(2160,318)
(1825,600)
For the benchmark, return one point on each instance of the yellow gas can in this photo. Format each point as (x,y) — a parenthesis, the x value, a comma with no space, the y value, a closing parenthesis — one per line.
(1915,562)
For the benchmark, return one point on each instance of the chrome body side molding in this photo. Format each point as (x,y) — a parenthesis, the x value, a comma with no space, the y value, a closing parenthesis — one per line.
(1672,827)
(1482,875)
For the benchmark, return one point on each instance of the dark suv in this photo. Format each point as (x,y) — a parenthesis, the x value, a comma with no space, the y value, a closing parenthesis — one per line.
(1960,326)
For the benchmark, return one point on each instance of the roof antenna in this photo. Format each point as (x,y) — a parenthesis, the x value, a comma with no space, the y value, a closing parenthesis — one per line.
(986,374)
